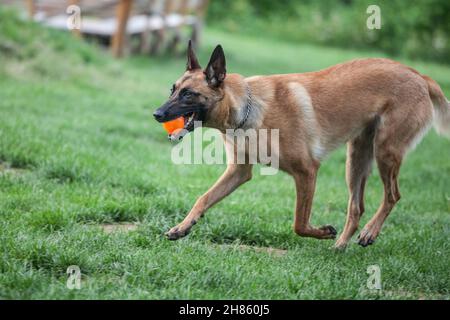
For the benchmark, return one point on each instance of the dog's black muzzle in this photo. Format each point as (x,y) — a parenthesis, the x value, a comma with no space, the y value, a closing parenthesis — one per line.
(168,111)
(173,109)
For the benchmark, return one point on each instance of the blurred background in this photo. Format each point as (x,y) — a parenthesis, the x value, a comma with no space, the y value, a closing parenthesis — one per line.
(416,31)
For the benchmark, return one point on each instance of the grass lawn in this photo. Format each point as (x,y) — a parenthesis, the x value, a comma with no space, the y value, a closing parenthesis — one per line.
(79,149)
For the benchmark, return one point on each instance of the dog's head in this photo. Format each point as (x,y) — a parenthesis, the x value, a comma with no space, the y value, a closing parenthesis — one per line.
(197,92)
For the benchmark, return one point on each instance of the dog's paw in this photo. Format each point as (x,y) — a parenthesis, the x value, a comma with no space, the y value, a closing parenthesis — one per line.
(340,246)
(177,232)
(329,231)
(366,238)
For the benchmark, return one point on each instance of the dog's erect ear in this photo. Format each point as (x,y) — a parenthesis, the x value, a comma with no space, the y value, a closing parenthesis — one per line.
(192,62)
(216,70)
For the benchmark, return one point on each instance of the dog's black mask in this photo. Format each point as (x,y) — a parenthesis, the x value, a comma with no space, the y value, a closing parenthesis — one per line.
(185,103)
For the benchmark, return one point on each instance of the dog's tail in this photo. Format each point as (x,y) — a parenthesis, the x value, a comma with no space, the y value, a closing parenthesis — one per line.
(441,107)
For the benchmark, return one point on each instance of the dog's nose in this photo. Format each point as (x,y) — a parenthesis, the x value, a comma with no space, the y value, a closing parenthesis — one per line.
(158,114)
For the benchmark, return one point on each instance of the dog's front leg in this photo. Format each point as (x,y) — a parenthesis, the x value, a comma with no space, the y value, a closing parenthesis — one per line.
(233,177)
(305,182)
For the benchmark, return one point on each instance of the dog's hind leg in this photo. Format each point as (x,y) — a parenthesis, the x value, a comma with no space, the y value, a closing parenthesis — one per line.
(305,181)
(358,167)
(394,137)
(234,176)
(389,167)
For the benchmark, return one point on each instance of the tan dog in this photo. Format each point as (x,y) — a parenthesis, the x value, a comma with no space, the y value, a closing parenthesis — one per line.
(379,107)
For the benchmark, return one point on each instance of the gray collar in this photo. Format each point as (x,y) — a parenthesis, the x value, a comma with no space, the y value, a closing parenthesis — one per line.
(248,107)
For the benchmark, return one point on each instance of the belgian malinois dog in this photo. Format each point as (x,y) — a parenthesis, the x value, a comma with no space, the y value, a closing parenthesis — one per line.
(379,107)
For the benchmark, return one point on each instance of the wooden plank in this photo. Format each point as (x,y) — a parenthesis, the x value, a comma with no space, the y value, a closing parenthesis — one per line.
(169,6)
(184,7)
(107,27)
(31,8)
(203,7)
(197,25)
(122,14)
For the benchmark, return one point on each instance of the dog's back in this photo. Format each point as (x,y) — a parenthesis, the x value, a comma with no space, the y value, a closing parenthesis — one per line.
(334,105)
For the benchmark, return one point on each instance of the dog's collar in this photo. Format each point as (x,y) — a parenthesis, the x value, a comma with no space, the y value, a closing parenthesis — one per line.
(248,107)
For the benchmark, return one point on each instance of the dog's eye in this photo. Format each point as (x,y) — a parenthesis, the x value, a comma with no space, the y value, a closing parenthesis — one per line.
(188,94)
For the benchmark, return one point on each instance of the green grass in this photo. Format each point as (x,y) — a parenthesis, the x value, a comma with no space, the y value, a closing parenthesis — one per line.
(77,131)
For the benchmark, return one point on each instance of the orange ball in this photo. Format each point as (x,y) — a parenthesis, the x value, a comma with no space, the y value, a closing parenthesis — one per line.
(173,125)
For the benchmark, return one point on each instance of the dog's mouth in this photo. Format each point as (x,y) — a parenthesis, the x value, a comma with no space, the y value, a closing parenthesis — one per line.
(189,125)
(189,119)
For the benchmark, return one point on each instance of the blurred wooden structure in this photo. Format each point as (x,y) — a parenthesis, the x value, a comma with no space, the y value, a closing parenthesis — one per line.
(119,20)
